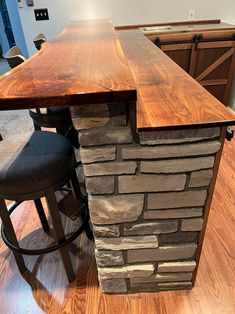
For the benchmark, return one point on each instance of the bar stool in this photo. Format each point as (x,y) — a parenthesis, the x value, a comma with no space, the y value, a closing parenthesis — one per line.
(39,40)
(53,117)
(14,57)
(34,166)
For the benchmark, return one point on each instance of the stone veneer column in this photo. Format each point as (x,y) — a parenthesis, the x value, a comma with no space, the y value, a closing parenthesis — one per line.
(147,203)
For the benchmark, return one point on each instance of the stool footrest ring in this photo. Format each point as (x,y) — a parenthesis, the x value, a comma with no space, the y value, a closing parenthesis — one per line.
(43,250)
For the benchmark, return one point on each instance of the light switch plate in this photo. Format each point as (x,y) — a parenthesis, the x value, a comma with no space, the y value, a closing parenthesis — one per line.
(41,14)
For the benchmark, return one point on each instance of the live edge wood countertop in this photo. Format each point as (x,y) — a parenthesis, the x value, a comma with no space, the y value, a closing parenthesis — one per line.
(84,64)
(90,63)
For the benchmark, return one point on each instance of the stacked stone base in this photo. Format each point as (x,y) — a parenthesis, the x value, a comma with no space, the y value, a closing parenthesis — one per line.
(147,203)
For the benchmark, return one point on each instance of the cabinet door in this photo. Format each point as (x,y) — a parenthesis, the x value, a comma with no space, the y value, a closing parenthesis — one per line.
(214,67)
(180,54)
(212,64)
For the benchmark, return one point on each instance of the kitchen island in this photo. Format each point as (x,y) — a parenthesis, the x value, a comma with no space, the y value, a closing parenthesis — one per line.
(151,140)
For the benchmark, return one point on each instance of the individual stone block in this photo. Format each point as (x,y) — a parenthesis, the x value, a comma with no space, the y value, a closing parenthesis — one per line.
(105,135)
(115,209)
(137,280)
(126,243)
(194,224)
(110,168)
(106,231)
(187,266)
(120,120)
(151,183)
(152,228)
(90,116)
(129,271)
(163,278)
(177,200)
(97,154)
(147,287)
(165,253)
(178,238)
(113,285)
(177,136)
(83,123)
(200,178)
(204,148)
(144,287)
(109,258)
(173,213)
(117,111)
(176,165)
(100,185)
(175,286)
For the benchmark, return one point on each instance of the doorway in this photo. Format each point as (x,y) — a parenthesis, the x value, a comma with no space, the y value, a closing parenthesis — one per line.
(7,23)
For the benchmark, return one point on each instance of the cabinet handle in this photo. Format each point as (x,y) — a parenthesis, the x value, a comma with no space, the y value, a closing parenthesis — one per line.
(229,134)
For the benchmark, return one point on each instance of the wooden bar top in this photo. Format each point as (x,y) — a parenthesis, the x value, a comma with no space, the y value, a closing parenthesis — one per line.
(167,96)
(84,64)
(88,64)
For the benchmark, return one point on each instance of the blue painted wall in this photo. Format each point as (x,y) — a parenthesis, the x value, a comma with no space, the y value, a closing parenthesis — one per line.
(17,29)
(3,37)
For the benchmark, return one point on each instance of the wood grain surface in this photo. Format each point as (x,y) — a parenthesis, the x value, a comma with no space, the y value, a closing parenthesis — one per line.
(84,64)
(190,28)
(212,58)
(167,96)
(47,290)
(135,26)
(188,36)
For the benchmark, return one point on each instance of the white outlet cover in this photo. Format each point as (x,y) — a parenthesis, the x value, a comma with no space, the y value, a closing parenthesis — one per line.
(191,14)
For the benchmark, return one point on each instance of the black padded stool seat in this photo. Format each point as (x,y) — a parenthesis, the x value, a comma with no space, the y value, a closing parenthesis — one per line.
(31,163)
(34,166)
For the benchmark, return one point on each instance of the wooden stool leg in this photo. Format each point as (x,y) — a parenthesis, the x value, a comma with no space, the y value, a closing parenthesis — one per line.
(59,232)
(36,127)
(62,128)
(41,214)
(6,220)
(78,195)
(72,136)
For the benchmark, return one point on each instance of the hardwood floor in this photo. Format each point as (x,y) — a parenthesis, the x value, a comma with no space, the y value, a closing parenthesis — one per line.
(49,292)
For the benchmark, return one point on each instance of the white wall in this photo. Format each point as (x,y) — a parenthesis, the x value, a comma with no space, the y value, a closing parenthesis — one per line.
(120,11)
(12,7)
(3,37)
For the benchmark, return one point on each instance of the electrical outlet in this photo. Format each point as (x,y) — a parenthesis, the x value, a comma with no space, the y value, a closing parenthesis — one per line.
(191,14)
(41,14)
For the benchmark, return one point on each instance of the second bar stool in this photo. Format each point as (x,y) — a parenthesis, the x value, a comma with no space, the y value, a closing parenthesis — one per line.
(39,40)
(34,166)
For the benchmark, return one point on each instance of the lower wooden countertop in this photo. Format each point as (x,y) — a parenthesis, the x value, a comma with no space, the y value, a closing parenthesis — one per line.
(167,96)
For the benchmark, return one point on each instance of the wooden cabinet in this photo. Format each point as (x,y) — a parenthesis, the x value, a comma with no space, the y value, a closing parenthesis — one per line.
(205,51)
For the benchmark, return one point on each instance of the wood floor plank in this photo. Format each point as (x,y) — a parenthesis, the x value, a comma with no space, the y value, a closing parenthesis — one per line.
(47,289)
